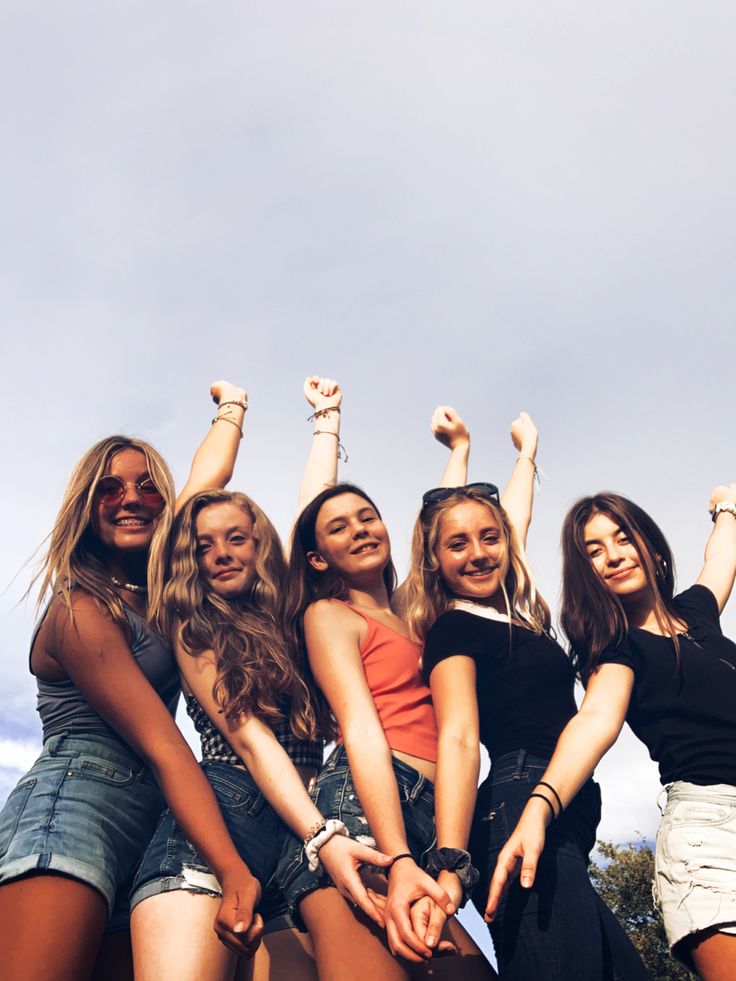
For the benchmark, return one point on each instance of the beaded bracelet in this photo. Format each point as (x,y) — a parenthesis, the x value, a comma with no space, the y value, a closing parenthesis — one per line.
(323,412)
(243,403)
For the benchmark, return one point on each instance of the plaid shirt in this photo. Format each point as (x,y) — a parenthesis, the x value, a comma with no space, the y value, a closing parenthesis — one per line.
(215,747)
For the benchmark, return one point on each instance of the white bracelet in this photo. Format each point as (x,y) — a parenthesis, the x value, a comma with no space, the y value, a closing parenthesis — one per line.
(312,847)
(729,506)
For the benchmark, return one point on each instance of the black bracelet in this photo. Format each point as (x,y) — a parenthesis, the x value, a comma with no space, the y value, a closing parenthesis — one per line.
(547,801)
(397,858)
(543,783)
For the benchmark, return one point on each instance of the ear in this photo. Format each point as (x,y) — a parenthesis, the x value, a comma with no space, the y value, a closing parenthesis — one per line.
(317,562)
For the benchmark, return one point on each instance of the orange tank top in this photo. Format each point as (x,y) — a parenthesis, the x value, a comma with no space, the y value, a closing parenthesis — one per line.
(403,702)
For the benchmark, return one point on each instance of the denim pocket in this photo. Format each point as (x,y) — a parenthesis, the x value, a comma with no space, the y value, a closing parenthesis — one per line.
(100,769)
(230,795)
(13,811)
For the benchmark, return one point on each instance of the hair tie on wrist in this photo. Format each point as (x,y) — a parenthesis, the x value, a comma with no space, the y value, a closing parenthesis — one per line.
(547,801)
(543,783)
(397,858)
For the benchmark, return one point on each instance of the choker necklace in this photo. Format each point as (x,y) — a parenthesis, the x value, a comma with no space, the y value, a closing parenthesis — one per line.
(130,586)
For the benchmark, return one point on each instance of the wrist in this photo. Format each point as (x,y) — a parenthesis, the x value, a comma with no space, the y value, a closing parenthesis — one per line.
(461,444)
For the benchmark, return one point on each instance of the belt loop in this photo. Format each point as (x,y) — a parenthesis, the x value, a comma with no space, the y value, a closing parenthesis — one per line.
(416,790)
(53,743)
(520,761)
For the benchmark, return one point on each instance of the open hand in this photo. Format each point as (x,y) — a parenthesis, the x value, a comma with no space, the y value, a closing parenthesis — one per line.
(524,846)
(342,858)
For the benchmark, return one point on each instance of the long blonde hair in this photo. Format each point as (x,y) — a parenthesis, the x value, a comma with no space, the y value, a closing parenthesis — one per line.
(256,673)
(74,556)
(425,594)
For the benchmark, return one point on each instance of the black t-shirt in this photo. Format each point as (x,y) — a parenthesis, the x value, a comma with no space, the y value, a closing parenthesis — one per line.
(686,718)
(524,682)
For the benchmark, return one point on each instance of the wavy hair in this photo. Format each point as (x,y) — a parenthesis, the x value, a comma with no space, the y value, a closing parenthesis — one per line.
(306,584)
(256,673)
(592,616)
(425,593)
(75,557)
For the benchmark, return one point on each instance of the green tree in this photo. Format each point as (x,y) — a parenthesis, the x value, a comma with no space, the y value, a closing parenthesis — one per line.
(624,880)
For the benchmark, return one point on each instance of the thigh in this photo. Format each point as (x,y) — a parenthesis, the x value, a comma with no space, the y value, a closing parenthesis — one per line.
(174,938)
(115,958)
(50,928)
(283,954)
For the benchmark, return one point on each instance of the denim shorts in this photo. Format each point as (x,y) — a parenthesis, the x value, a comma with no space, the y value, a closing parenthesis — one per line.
(695,860)
(171,862)
(335,796)
(87,808)
(560,929)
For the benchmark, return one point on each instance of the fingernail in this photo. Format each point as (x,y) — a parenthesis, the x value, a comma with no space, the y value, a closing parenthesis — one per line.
(239,927)
(431,941)
(526,881)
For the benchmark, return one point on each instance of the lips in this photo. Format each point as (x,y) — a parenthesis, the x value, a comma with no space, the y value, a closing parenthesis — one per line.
(621,574)
(227,574)
(131,522)
(365,547)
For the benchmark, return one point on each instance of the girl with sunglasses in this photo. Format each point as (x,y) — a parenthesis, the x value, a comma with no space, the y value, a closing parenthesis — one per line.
(377,784)
(660,662)
(248,700)
(498,677)
(75,827)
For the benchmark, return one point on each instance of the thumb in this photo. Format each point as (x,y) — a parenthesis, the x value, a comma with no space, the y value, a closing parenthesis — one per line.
(372,857)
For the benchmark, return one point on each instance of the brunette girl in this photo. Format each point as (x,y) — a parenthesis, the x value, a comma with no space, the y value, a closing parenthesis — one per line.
(498,676)
(377,784)
(252,708)
(661,662)
(74,829)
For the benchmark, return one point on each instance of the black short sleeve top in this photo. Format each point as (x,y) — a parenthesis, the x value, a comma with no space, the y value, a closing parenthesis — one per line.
(524,681)
(686,715)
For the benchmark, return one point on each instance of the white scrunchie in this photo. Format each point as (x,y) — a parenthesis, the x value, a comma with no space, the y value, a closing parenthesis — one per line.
(311,849)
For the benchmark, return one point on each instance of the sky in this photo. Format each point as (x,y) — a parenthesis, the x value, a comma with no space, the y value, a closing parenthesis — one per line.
(490,205)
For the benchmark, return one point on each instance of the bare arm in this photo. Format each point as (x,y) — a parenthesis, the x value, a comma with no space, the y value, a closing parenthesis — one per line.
(583,742)
(325,397)
(333,637)
(719,567)
(451,431)
(518,496)
(214,460)
(93,651)
(280,783)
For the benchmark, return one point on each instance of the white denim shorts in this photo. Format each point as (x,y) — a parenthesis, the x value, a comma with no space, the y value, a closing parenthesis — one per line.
(695,861)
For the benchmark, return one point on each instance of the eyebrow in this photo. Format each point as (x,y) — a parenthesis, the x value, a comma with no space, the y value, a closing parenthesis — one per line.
(229,531)
(599,541)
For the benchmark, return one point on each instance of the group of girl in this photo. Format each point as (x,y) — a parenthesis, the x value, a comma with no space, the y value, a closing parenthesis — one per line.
(119,852)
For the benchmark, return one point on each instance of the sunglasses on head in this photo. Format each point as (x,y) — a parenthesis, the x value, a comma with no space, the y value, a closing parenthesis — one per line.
(438,494)
(110,491)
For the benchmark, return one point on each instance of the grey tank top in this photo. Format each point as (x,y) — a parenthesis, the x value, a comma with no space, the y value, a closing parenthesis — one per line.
(64,708)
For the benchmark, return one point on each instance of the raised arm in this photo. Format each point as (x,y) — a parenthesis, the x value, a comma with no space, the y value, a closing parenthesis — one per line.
(719,567)
(215,457)
(451,431)
(333,635)
(325,397)
(280,783)
(93,651)
(518,496)
(584,741)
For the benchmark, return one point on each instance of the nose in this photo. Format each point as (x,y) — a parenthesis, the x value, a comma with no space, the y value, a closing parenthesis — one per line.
(359,530)
(131,495)
(614,554)
(222,553)
(478,553)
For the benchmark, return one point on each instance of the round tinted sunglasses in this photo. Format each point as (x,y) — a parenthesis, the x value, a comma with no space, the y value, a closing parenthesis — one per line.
(110,491)
(438,494)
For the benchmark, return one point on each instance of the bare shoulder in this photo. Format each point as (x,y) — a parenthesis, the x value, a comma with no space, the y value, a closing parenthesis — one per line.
(333,617)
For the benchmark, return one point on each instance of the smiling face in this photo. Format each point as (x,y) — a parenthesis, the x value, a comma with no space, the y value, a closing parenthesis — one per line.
(471,552)
(615,558)
(351,539)
(226,549)
(126,523)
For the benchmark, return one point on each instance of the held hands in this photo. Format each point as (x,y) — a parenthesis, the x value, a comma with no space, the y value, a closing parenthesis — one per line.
(237,926)
(342,858)
(525,845)
(448,428)
(322,393)
(407,883)
(225,391)
(428,919)
(524,436)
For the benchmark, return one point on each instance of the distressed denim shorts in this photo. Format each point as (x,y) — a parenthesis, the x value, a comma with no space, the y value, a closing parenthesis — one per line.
(695,861)
(87,808)
(335,796)
(171,862)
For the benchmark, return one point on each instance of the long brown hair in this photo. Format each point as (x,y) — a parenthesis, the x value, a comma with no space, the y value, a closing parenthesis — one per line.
(307,584)
(592,616)
(75,556)
(425,594)
(255,671)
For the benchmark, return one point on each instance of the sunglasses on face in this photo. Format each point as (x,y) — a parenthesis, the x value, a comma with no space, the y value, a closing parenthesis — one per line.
(110,491)
(438,494)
